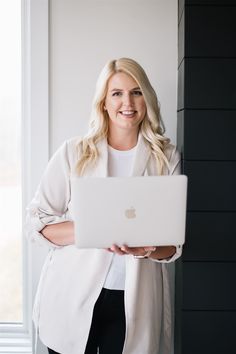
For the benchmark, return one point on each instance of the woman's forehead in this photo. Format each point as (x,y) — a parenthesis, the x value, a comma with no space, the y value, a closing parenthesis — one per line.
(122,81)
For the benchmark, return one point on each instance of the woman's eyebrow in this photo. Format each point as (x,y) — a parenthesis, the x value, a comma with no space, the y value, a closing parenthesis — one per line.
(133,89)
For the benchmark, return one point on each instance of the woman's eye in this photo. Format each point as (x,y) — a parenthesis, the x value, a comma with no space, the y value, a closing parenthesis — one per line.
(137,93)
(117,93)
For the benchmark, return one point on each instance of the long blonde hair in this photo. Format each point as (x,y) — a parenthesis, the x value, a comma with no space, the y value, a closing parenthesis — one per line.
(152,127)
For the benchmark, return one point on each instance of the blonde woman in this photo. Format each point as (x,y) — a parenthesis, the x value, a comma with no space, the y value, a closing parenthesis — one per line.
(107,300)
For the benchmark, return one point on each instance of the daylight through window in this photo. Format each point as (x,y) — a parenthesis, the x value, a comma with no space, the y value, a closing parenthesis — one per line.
(10,163)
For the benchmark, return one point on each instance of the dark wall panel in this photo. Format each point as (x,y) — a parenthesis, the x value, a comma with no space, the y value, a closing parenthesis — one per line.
(215,26)
(205,309)
(207,332)
(211,185)
(210,2)
(213,287)
(207,135)
(210,237)
(208,84)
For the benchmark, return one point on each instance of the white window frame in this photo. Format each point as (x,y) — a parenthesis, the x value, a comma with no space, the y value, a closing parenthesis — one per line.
(19,338)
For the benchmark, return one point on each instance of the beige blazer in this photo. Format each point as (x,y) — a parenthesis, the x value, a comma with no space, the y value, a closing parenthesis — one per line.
(72,278)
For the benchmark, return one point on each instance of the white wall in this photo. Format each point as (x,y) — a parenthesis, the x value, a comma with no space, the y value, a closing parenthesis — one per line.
(85,34)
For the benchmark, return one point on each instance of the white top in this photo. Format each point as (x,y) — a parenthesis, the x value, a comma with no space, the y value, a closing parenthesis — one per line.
(120,164)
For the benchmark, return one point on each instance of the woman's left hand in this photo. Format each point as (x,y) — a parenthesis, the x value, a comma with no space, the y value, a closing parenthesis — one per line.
(134,251)
(157,252)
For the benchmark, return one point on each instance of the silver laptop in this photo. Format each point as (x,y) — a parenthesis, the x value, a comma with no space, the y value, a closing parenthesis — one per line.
(136,211)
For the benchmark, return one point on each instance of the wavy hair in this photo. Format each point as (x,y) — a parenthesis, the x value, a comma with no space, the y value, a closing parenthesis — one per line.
(151,128)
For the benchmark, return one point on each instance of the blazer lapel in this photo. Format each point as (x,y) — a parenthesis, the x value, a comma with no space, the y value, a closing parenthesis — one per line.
(102,166)
(141,159)
(100,169)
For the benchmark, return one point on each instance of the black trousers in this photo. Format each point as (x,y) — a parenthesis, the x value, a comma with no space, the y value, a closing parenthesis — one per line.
(107,330)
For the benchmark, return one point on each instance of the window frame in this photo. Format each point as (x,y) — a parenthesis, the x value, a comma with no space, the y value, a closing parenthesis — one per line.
(19,337)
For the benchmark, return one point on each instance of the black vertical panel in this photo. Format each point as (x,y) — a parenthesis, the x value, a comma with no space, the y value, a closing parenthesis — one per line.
(213,287)
(208,332)
(207,134)
(210,236)
(212,185)
(210,83)
(215,25)
(205,287)
(209,2)
(205,83)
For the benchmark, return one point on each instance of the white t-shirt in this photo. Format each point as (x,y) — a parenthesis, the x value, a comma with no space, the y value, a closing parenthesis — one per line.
(120,164)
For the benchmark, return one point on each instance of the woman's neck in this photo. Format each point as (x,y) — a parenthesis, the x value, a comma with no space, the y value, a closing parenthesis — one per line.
(123,141)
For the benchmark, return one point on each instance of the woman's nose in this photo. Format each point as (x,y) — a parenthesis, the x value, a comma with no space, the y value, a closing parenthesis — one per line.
(128,100)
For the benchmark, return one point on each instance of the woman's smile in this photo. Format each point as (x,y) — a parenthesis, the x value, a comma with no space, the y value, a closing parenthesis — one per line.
(128,114)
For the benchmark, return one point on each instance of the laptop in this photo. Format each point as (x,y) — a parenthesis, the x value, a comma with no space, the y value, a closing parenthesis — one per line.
(136,211)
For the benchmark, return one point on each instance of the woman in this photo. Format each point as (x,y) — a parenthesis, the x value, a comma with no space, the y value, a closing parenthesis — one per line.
(118,299)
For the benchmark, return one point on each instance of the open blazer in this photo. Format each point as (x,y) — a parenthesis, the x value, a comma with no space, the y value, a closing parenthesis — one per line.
(72,279)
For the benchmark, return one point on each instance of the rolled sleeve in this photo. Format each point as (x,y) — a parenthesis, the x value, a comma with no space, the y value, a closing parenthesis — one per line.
(36,220)
(171,259)
(50,203)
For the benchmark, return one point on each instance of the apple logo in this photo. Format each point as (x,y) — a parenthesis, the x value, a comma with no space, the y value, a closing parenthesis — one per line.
(130,213)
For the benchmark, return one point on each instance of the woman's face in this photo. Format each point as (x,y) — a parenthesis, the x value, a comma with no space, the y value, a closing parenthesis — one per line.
(124,103)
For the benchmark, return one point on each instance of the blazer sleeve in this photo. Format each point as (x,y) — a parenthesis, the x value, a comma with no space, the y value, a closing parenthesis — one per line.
(50,203)
(174,169)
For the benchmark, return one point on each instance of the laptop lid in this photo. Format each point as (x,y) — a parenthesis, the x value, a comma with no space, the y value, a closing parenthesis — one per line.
(136,211)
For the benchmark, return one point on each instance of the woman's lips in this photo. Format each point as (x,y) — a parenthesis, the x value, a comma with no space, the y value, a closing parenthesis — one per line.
(127,114)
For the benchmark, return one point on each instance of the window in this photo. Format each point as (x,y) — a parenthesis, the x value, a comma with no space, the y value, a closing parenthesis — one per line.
(10,163)
(23,88)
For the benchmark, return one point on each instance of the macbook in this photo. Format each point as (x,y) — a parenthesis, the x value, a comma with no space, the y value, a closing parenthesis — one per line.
(136,211)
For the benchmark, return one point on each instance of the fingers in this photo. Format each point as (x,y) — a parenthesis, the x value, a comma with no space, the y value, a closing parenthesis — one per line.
(117,250)
(125,250)
(134,251)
